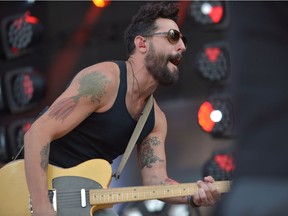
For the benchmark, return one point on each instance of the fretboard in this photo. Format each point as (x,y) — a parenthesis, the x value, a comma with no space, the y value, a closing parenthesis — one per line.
(139,193)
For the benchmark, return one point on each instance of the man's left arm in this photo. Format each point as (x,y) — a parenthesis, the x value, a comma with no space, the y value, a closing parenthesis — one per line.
(152,162)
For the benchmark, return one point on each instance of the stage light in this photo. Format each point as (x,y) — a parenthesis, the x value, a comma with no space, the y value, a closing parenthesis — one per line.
(15,135)
(220,166)
(22,89)
(209,13)
(101,3)
(204,119)
(215,116)
(154,205)
(4,151)
(155,208)
(132,212)
(213,63)
(20,33)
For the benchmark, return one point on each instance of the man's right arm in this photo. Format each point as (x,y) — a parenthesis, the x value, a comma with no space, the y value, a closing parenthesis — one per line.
(88,92)
(36,164)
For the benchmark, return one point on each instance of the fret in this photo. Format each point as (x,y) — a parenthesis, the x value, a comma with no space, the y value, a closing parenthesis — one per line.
(126,194)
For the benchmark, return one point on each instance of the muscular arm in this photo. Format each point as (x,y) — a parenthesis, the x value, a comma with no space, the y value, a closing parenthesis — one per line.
(152,161)
(152,158)
(86,94)
(153,166)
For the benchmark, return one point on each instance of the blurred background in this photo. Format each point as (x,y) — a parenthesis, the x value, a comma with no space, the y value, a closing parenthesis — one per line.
(44,44)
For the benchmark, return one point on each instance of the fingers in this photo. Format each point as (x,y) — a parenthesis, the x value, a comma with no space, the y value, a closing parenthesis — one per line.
(209,179)
(199,198)
(207,193)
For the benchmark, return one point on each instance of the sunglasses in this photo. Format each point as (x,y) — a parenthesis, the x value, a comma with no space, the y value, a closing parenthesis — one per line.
(173,36)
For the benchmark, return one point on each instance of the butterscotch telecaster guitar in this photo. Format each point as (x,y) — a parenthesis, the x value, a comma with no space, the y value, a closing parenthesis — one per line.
(81,190)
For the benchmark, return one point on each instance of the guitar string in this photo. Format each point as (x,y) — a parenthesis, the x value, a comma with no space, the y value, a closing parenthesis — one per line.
(71,198)
(75,193)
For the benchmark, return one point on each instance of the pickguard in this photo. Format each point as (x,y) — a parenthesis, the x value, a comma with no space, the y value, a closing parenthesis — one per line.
(68,194)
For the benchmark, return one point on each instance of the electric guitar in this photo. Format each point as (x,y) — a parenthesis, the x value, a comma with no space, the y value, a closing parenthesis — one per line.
(81,190)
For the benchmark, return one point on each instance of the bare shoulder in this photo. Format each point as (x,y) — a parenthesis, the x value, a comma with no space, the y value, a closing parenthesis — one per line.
(108,69)
(101,78)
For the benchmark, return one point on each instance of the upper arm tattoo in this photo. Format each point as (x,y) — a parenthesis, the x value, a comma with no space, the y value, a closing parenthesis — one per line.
(90,85)
(146,153)
(44,153)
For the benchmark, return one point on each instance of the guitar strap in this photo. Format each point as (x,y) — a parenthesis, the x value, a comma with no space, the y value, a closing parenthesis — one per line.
(139,126)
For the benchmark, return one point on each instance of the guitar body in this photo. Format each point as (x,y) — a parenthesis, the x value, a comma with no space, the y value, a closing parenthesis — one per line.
(14,194)
(81,190)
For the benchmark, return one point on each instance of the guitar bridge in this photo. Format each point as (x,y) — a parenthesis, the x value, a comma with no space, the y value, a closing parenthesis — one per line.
(52,198)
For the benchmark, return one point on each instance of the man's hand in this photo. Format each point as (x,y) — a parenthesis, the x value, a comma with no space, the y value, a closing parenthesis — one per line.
(207,193)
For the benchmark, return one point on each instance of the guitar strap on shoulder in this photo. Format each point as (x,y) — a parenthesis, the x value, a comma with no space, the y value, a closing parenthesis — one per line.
(136,133)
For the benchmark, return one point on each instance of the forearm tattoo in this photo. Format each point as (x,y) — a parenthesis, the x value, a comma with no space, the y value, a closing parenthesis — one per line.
(147,154)
(44,153)
(90,85)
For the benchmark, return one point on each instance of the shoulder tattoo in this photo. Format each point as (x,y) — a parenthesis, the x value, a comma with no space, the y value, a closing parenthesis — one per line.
(90,85)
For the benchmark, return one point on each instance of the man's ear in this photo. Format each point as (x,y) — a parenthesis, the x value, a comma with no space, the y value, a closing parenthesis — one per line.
(140,43)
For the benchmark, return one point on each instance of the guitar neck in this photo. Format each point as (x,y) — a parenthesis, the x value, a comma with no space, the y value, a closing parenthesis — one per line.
(140,193)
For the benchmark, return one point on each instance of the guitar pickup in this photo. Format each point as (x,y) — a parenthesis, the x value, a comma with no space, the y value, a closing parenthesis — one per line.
(83,198)
(52,198)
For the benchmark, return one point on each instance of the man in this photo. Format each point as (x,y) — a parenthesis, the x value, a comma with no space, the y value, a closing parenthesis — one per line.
(96,115)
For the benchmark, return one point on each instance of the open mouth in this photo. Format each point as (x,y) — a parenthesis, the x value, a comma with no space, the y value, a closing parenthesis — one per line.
(175,61)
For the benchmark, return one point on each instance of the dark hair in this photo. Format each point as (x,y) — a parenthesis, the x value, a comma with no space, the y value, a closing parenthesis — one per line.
(144,21)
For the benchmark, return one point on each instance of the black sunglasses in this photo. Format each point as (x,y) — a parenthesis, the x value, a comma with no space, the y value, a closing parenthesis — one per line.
(173,36)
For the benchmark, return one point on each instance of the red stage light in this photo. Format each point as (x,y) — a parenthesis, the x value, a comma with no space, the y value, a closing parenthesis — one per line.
(20,33)
(212,53)
(216,117)
(15,135)
(225,162)
(101,3)
(216,13)
(212,62)
(204,118)
(23,89)
(30,19)
(26,127)
(209,13)
(221,165)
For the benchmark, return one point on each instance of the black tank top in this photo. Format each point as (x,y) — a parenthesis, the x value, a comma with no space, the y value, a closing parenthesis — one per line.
(101,135)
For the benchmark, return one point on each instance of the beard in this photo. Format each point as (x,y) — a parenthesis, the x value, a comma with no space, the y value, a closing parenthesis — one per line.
(157,65)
